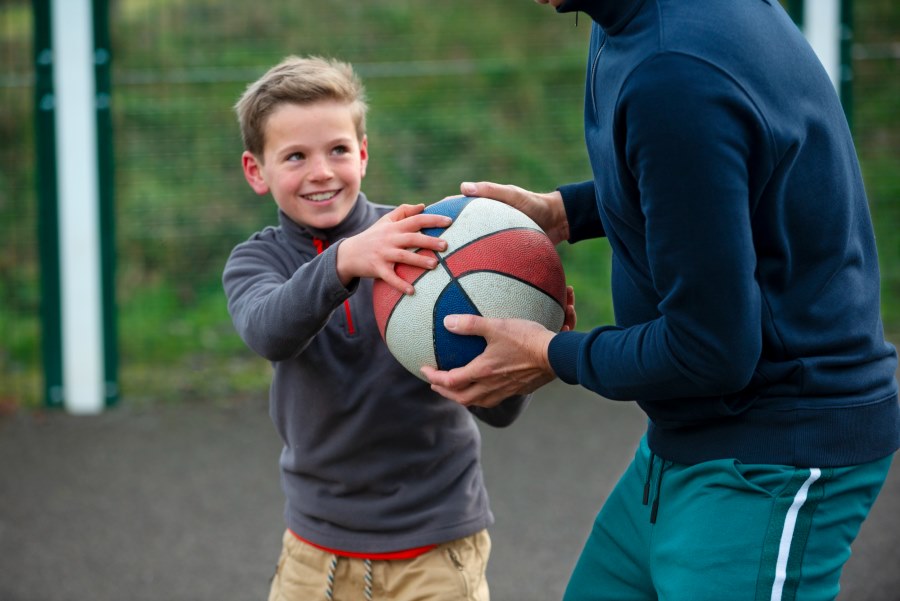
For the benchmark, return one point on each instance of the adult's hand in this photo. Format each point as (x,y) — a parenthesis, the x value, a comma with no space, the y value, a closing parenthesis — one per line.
(514,362)
(547,209)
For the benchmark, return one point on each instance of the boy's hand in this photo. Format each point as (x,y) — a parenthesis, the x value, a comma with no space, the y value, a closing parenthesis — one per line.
(374,252)
(547,210)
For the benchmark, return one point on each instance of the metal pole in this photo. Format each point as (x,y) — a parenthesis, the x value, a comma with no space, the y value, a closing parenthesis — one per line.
(795,9)
(76,159)
(846,83)
(48,209)
(106,199)
(821,25)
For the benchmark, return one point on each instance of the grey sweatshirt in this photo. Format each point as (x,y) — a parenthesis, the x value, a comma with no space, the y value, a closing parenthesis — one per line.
(373,459)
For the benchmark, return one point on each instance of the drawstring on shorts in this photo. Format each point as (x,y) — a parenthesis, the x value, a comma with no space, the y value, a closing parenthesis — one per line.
(329,592)
(367,589)
(367,579)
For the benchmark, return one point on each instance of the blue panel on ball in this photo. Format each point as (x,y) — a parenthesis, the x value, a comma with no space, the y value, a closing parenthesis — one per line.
(452,350)
(451,207)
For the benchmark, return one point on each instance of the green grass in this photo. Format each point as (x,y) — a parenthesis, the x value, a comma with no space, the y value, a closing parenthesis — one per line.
(462,90)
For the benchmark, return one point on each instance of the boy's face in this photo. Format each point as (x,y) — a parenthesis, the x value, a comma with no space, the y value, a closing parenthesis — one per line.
(313,162)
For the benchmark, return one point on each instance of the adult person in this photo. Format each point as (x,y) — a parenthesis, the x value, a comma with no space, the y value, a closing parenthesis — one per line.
(746,293)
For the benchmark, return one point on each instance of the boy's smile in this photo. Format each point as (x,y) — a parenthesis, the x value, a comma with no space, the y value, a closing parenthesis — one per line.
(313,162)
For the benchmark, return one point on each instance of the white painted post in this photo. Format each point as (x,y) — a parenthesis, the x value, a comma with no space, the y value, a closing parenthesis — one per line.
(822,27)
(76,156)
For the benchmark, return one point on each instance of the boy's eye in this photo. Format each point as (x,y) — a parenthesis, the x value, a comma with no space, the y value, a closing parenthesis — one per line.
(296,156)
(341,149)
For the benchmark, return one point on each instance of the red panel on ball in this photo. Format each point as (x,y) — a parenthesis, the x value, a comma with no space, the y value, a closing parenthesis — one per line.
(385,297)
(524,254)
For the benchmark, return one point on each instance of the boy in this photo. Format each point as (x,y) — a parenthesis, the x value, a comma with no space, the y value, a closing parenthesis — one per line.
(382,476)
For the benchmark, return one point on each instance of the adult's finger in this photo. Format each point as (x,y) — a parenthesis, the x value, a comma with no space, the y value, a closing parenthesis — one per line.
(502,192)
(570,316)
(465,324)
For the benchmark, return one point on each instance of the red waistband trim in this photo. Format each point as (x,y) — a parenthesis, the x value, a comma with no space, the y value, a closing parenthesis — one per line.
(390,556)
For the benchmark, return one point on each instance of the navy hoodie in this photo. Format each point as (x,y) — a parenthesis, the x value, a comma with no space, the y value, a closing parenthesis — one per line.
(744,270)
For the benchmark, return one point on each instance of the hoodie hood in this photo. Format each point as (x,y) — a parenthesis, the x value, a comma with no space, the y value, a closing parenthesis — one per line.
(611,15)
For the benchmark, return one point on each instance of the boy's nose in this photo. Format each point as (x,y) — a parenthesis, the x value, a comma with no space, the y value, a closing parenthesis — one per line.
(320,169)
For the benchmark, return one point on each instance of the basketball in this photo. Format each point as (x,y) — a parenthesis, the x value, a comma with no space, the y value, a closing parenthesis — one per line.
(498,263)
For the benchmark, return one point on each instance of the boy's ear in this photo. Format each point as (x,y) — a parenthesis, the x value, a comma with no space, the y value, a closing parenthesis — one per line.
(253,173)
(363,155)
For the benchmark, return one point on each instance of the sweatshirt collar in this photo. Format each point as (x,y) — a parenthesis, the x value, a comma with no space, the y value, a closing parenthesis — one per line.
(611,15)
(356,220)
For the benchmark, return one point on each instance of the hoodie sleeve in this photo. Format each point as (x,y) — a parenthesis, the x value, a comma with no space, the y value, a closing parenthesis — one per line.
(503,414)
(689,135)
(278,308)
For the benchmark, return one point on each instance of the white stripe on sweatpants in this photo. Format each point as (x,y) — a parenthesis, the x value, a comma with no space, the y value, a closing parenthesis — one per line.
(787,535)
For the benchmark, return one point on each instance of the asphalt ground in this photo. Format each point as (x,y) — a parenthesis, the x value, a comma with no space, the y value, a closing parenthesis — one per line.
(182,502)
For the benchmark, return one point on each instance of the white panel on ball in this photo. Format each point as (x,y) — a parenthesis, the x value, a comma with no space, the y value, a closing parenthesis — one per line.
(500,296)
(480,218)
(410,330)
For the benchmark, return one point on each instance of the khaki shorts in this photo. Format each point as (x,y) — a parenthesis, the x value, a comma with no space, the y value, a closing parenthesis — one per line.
(453,571)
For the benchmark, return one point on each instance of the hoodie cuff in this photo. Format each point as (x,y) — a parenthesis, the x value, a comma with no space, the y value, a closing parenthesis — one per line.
(353,284)
(580,202)
(563,355)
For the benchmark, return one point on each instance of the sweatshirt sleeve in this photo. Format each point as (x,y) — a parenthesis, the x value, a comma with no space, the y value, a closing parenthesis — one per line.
(689,138)
(276,308)
(503,414)
(580,202)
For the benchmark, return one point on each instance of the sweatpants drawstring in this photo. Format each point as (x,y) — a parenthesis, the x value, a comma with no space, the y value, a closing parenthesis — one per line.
(647,483)
(654,509)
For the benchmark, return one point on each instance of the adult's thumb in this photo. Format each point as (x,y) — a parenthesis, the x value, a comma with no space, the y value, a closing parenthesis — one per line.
(461,324)
(468,188)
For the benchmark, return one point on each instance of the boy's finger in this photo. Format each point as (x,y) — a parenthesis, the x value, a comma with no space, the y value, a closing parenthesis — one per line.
(426,241)
(398,283)
(405,210)
(426,220)
(425,261)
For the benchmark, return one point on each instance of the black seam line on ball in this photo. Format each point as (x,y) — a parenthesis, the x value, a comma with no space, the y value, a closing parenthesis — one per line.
(455,280)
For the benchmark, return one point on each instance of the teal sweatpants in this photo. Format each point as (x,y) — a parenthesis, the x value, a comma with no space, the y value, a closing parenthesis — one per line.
(724,531)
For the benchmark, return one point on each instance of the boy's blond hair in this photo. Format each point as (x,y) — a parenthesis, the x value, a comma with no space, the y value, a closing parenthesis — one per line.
(299,81)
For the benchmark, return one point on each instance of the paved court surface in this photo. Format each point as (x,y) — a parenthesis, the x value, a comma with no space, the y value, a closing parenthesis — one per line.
(182,503)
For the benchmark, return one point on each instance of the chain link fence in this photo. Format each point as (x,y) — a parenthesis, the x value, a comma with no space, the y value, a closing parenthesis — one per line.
(458,90)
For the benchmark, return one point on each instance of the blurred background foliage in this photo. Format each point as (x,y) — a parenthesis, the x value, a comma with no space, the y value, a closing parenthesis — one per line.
(462,90)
